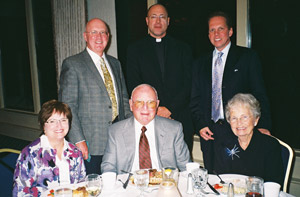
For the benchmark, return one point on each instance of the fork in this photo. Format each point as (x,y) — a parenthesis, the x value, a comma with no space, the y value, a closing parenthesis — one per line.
(221,180)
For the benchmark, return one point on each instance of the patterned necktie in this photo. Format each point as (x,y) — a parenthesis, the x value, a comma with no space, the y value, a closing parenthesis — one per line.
(109,87)
(144,151)
(217,89)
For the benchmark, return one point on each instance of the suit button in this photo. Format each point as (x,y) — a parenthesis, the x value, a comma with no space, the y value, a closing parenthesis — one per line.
(109,107)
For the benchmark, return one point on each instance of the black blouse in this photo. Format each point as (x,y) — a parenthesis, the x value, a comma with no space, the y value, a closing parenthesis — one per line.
(261,158)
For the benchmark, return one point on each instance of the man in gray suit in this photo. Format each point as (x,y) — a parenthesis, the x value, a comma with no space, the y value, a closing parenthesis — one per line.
(92,84)
(165,137)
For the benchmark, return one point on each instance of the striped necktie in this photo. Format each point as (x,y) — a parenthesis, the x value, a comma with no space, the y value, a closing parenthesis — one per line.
(217,89)
(109,87)
(144,151)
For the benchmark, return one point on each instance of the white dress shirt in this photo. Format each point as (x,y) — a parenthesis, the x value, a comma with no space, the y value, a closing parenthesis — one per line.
(150,133)
(224,57)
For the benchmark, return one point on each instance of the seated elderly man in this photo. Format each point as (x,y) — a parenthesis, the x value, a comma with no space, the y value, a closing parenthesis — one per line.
(250,152)
(145,140)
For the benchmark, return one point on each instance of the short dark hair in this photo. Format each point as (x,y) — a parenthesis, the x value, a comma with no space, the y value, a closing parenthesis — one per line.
(53,106)
(222,14)
(155,5)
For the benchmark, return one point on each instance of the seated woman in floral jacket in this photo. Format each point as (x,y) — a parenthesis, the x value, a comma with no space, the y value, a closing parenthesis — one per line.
(50,160)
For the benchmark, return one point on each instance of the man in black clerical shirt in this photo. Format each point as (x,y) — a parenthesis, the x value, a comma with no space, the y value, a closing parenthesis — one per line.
(164,63)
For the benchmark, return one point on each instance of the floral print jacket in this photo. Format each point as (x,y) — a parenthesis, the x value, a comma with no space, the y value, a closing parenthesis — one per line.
(36,169)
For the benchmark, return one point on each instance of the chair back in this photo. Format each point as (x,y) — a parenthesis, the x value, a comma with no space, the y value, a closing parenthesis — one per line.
(287,155)
(8,158)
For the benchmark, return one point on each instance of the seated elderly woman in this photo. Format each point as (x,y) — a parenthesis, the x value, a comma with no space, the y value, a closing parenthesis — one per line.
(50,160)
(250,152)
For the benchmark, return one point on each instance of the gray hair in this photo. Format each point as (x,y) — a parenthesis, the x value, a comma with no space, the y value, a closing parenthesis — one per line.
(243,99)
(144,84)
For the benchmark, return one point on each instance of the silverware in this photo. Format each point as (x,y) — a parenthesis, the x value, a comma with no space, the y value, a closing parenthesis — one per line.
(125,171)
(213,189)
(127,181)
(128,178)
(221,180)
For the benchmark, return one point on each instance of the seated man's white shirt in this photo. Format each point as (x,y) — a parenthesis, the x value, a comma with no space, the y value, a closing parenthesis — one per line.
(150,133)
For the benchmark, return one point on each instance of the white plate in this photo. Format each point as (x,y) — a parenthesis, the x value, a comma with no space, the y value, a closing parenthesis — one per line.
(239,182)
(69,186)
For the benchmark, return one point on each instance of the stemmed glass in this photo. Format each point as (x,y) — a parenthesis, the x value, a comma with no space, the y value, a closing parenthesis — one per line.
(200,177)
(141,180)
(93,184)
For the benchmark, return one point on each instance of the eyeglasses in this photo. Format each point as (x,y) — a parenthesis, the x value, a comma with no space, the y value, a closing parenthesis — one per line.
(140,104)
(95,33)
(154,17)
(242,119)
(55,121)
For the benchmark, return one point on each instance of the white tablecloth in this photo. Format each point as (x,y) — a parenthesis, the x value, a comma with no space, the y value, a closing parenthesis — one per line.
(132,191)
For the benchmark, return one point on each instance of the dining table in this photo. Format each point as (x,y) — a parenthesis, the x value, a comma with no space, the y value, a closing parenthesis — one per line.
(132,191)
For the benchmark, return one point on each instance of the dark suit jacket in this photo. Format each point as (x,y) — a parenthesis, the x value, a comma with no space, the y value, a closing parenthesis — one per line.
(120,150)
(242,74)
(174,87)
(83,89)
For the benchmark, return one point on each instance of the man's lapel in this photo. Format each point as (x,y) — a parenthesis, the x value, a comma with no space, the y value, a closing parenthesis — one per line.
(159,138)
(129,141)
(231,61)
(93,70)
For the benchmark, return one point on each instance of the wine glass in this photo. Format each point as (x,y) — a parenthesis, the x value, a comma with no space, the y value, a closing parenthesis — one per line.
(255,186)
(200,177)
(93,184)
(141,180)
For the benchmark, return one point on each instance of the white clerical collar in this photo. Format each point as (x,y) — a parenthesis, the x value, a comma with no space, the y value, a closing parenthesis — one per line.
(158,39)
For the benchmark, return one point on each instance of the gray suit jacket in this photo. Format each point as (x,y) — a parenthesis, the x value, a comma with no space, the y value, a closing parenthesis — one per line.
(120,149)
(83,89)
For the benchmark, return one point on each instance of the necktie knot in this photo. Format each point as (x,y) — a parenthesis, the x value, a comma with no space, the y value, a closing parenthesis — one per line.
(144,129)
(220,54)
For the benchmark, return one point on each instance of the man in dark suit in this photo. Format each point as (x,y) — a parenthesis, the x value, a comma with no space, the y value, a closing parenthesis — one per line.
(93,85)
(164,63)
(164,137)
(240,73)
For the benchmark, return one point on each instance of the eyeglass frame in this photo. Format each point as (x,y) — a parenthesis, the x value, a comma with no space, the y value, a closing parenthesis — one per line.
(143,104)
(243,119)
(154,17)
(62,121)
(96,33)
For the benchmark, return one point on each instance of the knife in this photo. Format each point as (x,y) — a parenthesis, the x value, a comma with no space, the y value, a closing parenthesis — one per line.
(127,181)
(213,189)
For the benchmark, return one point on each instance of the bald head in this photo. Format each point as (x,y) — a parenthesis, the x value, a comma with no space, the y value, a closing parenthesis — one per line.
(96,35)
(144,103)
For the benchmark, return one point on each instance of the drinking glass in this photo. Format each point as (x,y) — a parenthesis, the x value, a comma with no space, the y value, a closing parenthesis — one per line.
(93,184)
(255,186)
(200,177)
(141,180)
(170,174)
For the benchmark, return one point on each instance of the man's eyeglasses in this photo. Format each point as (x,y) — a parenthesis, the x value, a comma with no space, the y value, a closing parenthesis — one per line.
(242,119)
(140,104)
(154,17)
(95,33)
(55,121)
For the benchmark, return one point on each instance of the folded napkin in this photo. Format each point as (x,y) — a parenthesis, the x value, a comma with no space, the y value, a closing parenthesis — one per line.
(283,194)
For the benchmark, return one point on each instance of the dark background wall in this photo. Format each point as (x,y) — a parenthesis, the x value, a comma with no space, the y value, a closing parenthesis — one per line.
(275,30)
